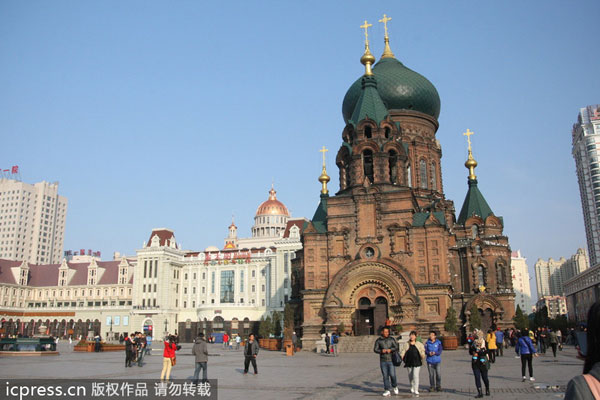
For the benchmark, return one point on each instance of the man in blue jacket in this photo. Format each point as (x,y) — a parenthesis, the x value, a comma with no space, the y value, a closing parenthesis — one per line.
(526,350)
(500,342)
(433,351)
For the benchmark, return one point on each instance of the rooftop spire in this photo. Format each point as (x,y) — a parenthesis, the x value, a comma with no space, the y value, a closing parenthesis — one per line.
(387,52)
(324,178)
(470,164)
(367,59)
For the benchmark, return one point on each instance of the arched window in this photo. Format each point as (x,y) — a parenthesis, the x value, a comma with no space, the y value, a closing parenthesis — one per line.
(423,174)
(478,249)
(368,164)
(432,177)
(500,271)
(480,276)
(387,132)
(364,301)
(474,231)
(368,133)
(393,166)
(408,176)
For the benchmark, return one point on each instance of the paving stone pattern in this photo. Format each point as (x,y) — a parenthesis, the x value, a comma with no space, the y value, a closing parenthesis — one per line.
(309,375)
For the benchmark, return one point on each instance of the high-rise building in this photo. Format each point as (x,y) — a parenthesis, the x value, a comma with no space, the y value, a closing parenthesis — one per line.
(32,221)
(586,151)
(520,278)
(575,265)
(548,278)
(551,275)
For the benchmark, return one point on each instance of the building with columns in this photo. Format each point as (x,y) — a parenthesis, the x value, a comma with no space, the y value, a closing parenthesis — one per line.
(388,244)
(163,288)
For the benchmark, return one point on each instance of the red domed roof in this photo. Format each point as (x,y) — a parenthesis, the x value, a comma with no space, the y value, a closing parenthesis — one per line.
(272,206)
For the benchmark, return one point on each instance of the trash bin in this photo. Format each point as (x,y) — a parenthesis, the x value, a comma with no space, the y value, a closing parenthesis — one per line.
(289,350)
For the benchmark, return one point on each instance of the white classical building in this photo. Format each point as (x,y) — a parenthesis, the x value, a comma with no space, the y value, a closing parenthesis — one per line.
(32,222)
(163,288)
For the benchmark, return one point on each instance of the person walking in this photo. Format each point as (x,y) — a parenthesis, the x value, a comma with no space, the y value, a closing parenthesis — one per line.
(334,344)
(500,342)
(413,355)
(200,351)
(526,350)
(225,341)
(433,351)
(385,346)
(545,342)
(149,344)
(553,341)
(169,358)
(538,339)
(491,345)
(583,387)
(294,341)
(559,337)
(327,342)
(97,345)
(238,340)
(479,363)
(141,348)
(128,352)
(250,353)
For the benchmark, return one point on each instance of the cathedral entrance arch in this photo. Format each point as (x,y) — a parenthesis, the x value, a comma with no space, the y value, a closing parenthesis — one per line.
(365,294)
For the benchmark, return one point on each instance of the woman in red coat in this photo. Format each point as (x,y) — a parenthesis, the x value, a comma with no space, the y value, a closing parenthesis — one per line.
(168,357)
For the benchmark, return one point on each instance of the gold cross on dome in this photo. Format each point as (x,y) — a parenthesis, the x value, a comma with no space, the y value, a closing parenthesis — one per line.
(468,134)
(366,27)
(385,20)
(323,150)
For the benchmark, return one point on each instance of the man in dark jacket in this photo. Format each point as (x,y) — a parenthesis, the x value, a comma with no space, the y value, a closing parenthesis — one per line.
(140,347)
(385,345)
(128,352)
(250,353)
(200,350)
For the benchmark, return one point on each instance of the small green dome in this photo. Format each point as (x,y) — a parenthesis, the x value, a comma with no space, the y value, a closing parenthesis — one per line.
(399,87)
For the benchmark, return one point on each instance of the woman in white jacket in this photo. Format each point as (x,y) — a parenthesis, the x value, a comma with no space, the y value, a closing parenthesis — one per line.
(413,356)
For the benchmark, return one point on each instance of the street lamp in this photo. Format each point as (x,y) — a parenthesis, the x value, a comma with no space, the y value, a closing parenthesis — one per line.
(166,327)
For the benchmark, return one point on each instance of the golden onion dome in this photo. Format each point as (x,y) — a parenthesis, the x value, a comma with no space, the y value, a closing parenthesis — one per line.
(272,206)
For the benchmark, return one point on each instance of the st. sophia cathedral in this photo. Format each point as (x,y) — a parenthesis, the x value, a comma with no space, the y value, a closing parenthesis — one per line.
(388,244)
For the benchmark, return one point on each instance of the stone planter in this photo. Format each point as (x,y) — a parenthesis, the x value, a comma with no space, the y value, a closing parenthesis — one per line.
(449,342)
(262,343)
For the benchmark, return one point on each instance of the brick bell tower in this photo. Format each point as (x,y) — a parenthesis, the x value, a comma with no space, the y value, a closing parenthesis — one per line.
(383,247)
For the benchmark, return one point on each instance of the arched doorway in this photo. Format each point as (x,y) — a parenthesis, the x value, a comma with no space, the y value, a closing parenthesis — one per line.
(487,319)
(148,326)
(364,317)
(380,313)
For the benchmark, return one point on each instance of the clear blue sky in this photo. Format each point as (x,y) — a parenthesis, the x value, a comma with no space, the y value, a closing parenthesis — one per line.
(179,114)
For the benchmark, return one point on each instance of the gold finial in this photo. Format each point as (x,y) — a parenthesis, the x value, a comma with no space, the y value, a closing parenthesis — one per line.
(387,51)
(367,59)
(324,178)
(470,163)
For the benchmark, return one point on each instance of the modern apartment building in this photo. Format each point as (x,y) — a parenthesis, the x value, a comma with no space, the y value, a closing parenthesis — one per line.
(32,222)
(520,278)
(586,152)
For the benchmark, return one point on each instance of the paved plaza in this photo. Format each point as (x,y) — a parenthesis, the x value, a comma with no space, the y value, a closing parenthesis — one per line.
(307,375)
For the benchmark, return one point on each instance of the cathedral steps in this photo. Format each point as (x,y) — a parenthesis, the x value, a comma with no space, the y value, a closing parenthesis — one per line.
(356,344)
